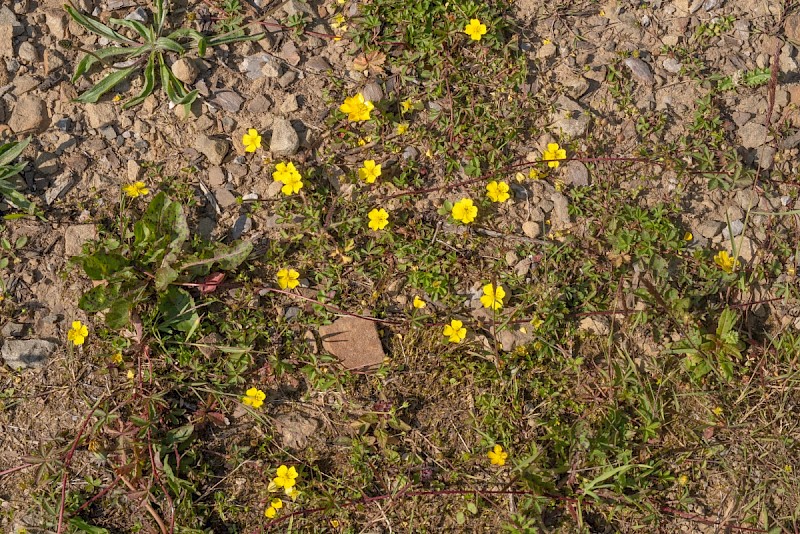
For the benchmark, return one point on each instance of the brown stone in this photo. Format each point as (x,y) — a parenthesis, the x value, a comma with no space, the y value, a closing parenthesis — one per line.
(354,341)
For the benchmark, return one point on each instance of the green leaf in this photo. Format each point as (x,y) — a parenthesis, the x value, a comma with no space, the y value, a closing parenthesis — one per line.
(164,217)
(149,84)
(165,276)
(82,526)
(164,43)
(119,314)
(99,298)
(90,59)
(109,82)
(727,320)
(146,33)
(178,435)
(178,310)
(101,265)
(10,151)
(225,256)
(95,26)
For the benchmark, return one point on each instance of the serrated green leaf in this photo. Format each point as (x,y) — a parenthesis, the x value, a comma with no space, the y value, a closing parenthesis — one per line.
(99,298)
(109,82)
(119,314)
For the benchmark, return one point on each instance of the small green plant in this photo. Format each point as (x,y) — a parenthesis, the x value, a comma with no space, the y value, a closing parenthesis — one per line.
(715,351)
(144,54)
(140,267)
(8,153)
(750,78)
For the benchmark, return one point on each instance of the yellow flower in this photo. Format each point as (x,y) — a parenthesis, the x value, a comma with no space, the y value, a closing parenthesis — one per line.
(117,98)
(130,374)
(683,480)
(335,523)
(277,504)
(292,493)
(553,152)
(251,140)
(254,397)
(717,411)
(493,297)
(357,108)
(378,219)
(497,191)
(406,106)
(402,128)
(455,331)
(270,512)
(725,262)
(136,189)
(465,211)
(289,176)
(285,477)
(546,41)
(78,333)
(116,358)
(419,303)
(688,236)
(497,456)
(559,185)
(475,29)
(288,278)
(534,174)
(536,322)
(369,171)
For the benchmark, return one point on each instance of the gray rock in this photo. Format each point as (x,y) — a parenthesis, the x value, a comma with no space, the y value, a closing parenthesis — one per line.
(134,170)
(317,64)
(672,65)
(8,18)
(710,229)
(576,173)
(216,177)
(259,105)
(546,51)
(139,15)
(242,225)
(75,236)
(372,92)
(531,229)
(290,104)
(765,156)
(27,52)
(576,86)
(46,163)
(6,41)
(108,132)
(560,216)
(27,353)
(754,134)
(229,101)
(410,153)
(260,65)
(289,53)
(29,115)
(735,228)
(791,27)
(61,186)
(12,329)
(224,197)
(640,70)
(284,141)
(212,148)
(185,70)
(98,115)
(64,125)
(295,430)
(287,78)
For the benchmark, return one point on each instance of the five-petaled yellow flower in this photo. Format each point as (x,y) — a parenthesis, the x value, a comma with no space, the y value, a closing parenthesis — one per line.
(116,358)
(287,174)
(455,331)
(136,189)
(493,296)
(251,140)
(464,211)
(419,303)
(288,278)
(402,128)
(725,261)
(378,219)
(78,333)
(357,108)
(292,493)
(498,456)
(406,106)
(475,29)
(254,397)
(270,512)
(369,171)
(497,191)
(285,477)
(553,153)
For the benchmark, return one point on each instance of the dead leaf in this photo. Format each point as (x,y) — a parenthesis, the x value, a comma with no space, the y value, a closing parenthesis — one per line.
(210,283)
(372,62)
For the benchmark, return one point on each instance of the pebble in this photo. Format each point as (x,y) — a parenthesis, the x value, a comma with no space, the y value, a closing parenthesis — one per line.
(284,141)
(29,115)
(6,40)
(229,101)
(216,177)
(75,236)
(372,92)
(640,70)
(185,70)
(139,15)
(354,341)
(791,27)
(290,104)
(64,125)
(576,173)
(98,115)
(27,353)
(259,65)
(135,170)
(57,22)
(27,52)
(754,134)
(224,197)
(259,104)
(531,229)
(242,225)
(735,229)
(672,65)
(289,53)
(317,64)
(212,148)
(560,216)
(710,229)
(546,51)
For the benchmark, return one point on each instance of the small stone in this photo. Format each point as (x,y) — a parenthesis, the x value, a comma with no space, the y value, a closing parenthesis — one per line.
(46,163)
(259,65)
(531,229)
(640,70)
(287,79)
(29,115)
(12,329)
(64,125)
(576,86)
(98,115)
(259,105)
(317,64)
(289,53)
(410,153)
(754,135)
(284,141)
(791,27)
(576,173)
(295,430)
(134,170)
(8,18)
(6,41)
(27,353)
(224,197)
(61,186)
(212,148)
(710,229)
(560,215)
(354,341)
(57,21)
(735,228)
(185,70)
(594,325)
(746,198)
(672,65)
(290,104)
(75,236)
(216,177)
(546,51)
(140,15)
(242,225)
(27,52)
(229,101)
(108,132)
(765,156)
(372,92)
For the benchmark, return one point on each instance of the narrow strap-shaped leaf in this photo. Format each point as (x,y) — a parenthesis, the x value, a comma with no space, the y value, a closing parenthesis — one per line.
(149,84)
(234,37)
(95,26)
(10,151)
(15,197)
(7,171)
(106,84)
(169,44)
(161,14)
(147,33)
(90,59)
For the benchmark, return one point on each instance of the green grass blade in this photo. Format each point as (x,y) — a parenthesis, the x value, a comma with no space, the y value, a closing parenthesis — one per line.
(93,95)
(95,26)
(146,33)
(164,43)
(161,14)
(90,59)
(149,84)
(10,151)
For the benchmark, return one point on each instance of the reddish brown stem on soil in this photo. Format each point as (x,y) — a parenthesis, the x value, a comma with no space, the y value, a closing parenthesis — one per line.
(99,495)
(15,469)
(329,307)
(68,460)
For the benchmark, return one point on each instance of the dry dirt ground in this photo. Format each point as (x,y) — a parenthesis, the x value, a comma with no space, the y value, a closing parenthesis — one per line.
(82,154)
